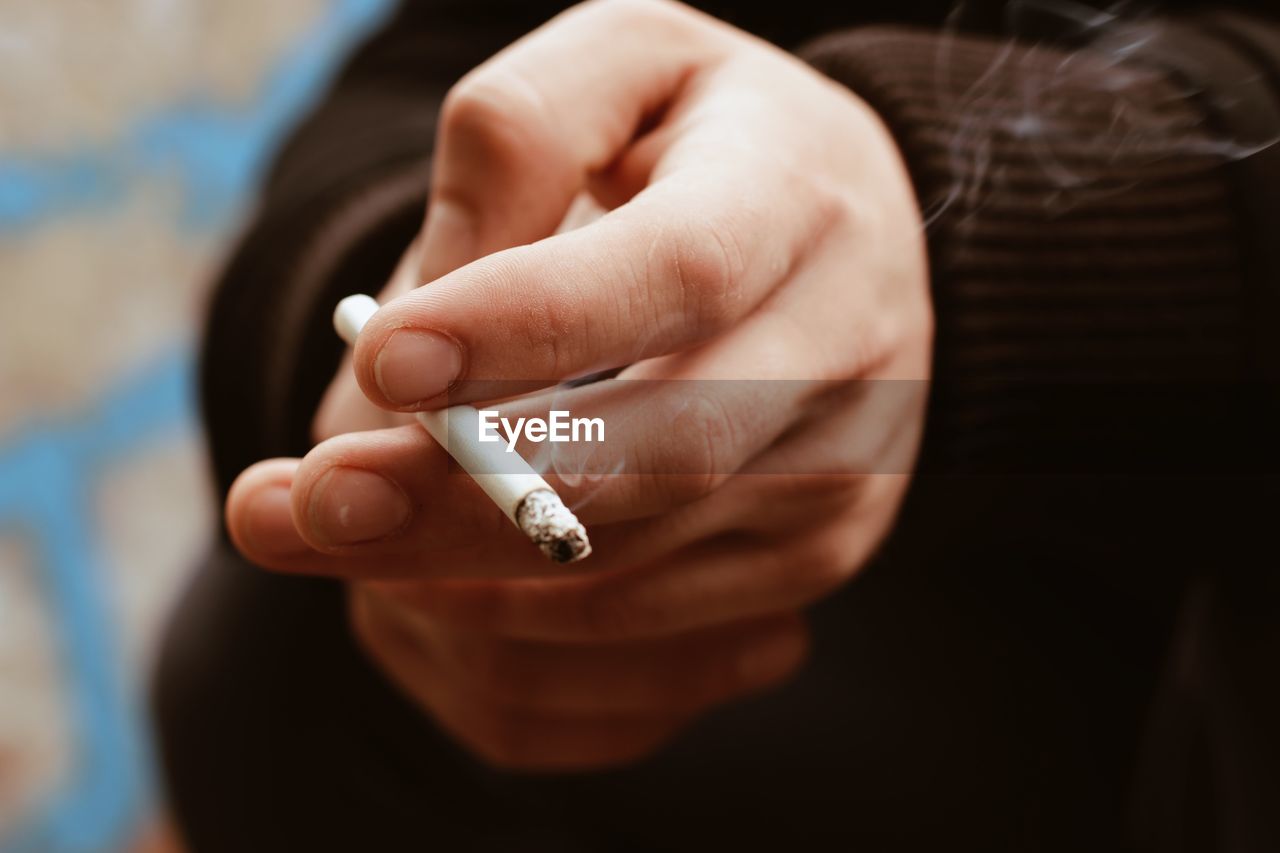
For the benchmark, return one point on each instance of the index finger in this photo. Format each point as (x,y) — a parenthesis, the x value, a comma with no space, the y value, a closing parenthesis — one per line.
(681,262)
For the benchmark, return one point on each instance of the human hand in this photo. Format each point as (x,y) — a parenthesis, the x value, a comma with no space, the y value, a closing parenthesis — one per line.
(761,226)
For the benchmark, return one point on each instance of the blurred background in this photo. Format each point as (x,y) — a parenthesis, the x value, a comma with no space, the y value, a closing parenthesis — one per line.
(132,133)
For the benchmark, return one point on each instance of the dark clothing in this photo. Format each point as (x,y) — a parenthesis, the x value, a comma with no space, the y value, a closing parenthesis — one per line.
(1071,638)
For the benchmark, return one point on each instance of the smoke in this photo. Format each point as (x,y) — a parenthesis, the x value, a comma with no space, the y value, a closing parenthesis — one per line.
(585,468)
(1060,53)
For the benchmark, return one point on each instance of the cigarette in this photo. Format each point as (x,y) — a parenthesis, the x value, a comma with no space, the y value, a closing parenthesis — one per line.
(519,491)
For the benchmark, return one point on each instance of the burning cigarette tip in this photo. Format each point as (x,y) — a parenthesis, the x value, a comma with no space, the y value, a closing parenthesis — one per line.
(544,518)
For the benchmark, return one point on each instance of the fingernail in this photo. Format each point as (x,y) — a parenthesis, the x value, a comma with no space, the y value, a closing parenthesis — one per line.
(416,365)
(770,659)
(351,505)
(268,524)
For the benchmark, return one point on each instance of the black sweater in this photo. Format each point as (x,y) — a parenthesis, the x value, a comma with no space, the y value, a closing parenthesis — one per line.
(1070,639)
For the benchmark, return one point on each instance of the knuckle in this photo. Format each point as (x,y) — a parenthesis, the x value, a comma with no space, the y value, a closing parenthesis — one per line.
(469,108)
(708,266)
(709,415)
(545,328)
(694,456)
(833,210)
(488,111)
(712,456)
(705,452)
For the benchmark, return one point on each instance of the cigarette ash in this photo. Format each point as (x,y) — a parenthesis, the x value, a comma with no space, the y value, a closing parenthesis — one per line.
(553,528)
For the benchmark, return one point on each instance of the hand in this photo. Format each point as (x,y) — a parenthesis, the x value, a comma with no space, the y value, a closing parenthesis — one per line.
(760,225)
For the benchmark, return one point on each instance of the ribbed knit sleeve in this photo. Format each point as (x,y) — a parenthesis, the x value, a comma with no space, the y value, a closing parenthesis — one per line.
(1086,237)
(1105,262)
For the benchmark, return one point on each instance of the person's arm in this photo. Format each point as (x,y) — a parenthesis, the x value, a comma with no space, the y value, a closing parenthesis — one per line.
(1101,213)
(1104,226)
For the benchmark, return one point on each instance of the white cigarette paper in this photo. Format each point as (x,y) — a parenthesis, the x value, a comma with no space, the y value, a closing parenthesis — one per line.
(527,499)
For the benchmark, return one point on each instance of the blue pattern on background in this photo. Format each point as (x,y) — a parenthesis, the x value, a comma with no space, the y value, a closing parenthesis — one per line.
(50,471)
(213,150)
(48,476)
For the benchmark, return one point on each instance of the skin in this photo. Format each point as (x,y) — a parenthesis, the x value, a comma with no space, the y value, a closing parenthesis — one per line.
(760,224)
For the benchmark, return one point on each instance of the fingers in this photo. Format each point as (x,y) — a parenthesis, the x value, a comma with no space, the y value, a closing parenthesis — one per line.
(680,263)
(516,739)
(660,444)
(519,135)
(545,706)
(670,675)
(345,517)
(387,503)
(735,577)
(650,580)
